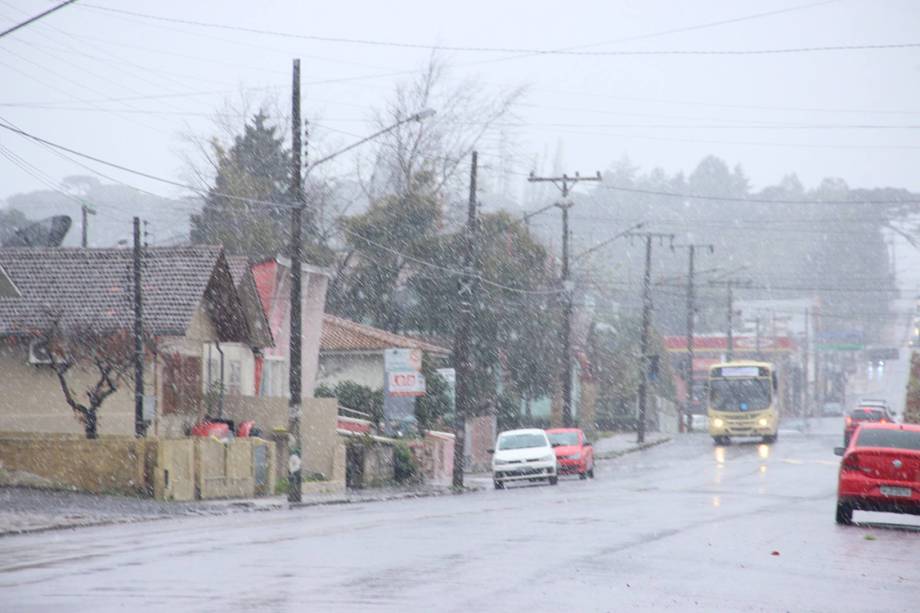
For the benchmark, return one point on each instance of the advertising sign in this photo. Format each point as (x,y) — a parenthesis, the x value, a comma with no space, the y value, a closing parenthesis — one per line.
(405,383)
(402,360)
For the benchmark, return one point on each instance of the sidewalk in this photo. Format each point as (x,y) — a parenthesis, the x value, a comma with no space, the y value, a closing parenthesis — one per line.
(24,509)
(620,443)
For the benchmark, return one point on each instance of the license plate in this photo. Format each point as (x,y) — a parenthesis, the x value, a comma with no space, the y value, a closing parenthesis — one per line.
(887,490)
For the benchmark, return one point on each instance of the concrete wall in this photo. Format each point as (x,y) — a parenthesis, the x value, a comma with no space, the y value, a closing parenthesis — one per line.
(317,426)
(105,465)
(435,457)
(481,433)
(174,474)
(360,367)
(31,399)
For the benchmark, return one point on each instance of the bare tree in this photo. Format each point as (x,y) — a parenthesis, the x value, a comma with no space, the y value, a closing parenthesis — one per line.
(105,357)
(437,148)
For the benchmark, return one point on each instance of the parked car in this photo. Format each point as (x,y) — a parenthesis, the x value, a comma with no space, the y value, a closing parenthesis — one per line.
(574,454)
(865,413)
(880,471)
(523,455)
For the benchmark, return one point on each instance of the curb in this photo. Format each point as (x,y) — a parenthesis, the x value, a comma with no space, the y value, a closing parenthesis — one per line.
(610,455)
(239,507)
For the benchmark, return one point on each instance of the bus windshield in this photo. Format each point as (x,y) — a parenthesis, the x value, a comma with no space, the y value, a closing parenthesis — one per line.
(739,394)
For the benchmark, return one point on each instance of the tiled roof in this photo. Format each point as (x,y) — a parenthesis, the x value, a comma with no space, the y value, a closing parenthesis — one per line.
(93,287)
(346,335)
(239,264)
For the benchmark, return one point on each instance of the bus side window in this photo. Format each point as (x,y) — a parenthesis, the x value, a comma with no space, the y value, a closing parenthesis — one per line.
(775,383)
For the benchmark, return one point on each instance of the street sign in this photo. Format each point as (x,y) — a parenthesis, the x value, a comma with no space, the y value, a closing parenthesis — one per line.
(839,347)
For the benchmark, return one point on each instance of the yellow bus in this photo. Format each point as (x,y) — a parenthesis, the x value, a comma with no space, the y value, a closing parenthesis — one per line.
(743,400)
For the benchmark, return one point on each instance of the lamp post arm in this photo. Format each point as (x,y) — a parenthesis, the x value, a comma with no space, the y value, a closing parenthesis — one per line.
(416,117)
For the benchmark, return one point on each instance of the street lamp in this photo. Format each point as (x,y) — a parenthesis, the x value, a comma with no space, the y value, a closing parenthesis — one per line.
(295,343)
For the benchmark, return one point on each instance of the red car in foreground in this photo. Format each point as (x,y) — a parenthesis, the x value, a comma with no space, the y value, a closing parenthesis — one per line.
(880,471)
(574,454)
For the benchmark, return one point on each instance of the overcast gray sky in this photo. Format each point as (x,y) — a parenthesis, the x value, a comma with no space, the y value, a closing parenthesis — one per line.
(125,88)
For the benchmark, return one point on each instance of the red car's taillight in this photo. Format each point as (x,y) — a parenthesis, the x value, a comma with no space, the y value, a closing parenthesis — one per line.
(848,420)
(850,463)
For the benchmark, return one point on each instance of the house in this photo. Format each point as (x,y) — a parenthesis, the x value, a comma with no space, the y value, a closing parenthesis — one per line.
(349,351)
(190,305)
(272,281)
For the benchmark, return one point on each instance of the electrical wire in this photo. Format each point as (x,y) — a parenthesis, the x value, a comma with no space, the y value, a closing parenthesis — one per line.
(516,50)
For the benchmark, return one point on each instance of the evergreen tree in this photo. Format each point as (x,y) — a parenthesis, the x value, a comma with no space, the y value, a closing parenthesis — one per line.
(256,167)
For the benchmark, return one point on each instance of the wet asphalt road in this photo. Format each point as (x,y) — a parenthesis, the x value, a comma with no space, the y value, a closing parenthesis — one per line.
(683,526)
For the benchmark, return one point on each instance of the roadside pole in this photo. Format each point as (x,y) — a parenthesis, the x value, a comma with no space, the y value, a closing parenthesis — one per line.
(294,404)
(644,358)
(140,428)
(685,416)
(466,288)
(565,183)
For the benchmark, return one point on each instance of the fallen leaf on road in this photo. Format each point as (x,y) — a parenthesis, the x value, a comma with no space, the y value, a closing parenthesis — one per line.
(774,553)
(869,537)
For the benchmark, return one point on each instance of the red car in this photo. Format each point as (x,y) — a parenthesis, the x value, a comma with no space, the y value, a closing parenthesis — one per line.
(865,413)
(574,454)
(880,471)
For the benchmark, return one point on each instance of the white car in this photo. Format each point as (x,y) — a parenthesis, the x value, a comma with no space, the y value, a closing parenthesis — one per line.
(522,455)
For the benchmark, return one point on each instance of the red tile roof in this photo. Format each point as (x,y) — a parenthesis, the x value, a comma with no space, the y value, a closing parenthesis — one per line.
(345,335)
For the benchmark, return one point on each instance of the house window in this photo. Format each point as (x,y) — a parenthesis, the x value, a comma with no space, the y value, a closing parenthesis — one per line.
(181,383)
(235,378)
(274,378)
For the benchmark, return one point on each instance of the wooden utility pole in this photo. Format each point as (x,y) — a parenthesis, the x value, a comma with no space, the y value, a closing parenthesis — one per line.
(565,183)
(140,428)
(730,285)
(463,332)
(686,415)
(295,409)
(646,330)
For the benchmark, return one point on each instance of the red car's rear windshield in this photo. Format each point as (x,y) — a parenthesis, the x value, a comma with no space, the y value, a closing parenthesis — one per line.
(891,439)
(563,439)
(867,414)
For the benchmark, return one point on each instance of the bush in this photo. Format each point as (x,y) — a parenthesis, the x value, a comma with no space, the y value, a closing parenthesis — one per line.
(405,468)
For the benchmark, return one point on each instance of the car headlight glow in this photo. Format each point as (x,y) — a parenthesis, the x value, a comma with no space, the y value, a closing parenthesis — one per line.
(718,423)
(549,458)
(762,421)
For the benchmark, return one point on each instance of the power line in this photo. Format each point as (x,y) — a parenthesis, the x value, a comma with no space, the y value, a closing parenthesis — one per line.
(653,192)
(482,49)
(36,18)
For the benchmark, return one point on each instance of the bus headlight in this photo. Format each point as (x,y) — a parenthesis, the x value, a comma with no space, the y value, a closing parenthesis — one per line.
(762,421)
(718,423)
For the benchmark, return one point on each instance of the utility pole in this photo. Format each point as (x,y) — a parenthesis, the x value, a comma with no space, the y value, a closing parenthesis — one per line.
(565,183)
(686,415)
(757,336)
(730,285)
(295,344)
(805,402)
(139,426)
(646,329)
(463,359)
(85,210)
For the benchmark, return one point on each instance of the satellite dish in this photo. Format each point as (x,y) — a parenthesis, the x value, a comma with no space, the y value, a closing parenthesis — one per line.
(48,232)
